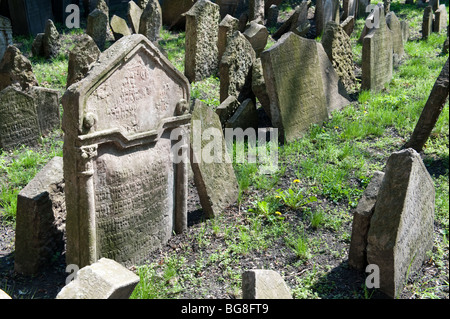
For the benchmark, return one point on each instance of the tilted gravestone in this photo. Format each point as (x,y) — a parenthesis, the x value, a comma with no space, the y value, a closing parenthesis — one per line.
(202,28)
(39,221)
(134,14)
(227,27)
(440,19)
(6,38)
(213,171)
(18,121)
(294,85)
(402,225)
(29,16)
(97,24)
(119,27)
(257,35)
(125,192)
(377,55)
(16,69)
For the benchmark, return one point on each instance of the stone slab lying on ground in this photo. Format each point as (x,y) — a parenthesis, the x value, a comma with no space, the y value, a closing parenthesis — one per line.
(264,284)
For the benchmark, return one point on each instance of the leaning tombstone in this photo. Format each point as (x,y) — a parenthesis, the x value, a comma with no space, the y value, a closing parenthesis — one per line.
(235,68)
(245,116)
(105,279)
(39,227)
(226,109)
(50,42)
(377,55)
(125,190)
(151,21)
(294,105)
(257,35)
(213,170)
(119,27)
(18,121)
(296,22)
(134,16)
(348,25)
(401,228)
(6,38)
(202,28)
(256,11)
(259,86)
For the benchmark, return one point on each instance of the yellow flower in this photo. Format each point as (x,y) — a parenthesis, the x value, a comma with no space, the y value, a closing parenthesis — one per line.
(296,181)
(278,213)
(277,196)
(336,127)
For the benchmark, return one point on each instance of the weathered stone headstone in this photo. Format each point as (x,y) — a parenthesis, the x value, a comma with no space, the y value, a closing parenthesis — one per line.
(272,15)
(18,121)
(28,17)
(39,221)
(226,109)
(397,36)
(440,19)
(294,85)
(105,279)
(16,69)
(357,255)
(245,116)
(47,108)
(350,8)
(401,228)
(259,86)
(427,22)
(50,41)
(227,7)
(97,24)
(377,59)
(213,172)
(227,27)
(326,10)
(81,57)
(235,68)
(125,193)
(202,28)
(348,25)
(119,27)
(297,22)
(257,35)
(336,44)
(256,11)
(336,95)
(173,12)
(405,31)
(6,38)
(151,21)
(134,16)
(264,284)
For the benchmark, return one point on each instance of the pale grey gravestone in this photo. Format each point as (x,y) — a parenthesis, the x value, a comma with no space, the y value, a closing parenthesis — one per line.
(134,14)
(104,279)
(47,108)
(214,175)
(326,10)
(19,121)
(405,31)
(151,21)
(39,222)
(236,67)
(256,11)
(6,38)
(97,24)
(202,28)
(357,255)
(119,27)
(257,35)
(227,27)
(440,19)
(402,225)
(294,84)
(395,26)
(377,55)
(427,22)
(126,188)
(264,284)
(28,17)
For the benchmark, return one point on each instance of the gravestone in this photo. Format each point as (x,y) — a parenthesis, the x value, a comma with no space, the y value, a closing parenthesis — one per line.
(326,10)
(39,221)
(213,172)
(401,228)
(226,109)
(296,23)
(440,19)
(28,17)
(264,284)
(357,255)
(47,108)
(19,122)
(202,28)
(97,24)
(395,26)
(235,68)
(350,8)
(272,15)
(151,21)
(119,27)
(50,41)
(259,86)
(105,279)
(377,59)
(405,31)
(173,13)
(245,116)
(294,84)
(227,27)
(427,22)
(336,44)
(125,189)
(16,69)
(5,35)
(227,7)
(257,35)
(256,10)
(134,16)
(348,25)
(81,57)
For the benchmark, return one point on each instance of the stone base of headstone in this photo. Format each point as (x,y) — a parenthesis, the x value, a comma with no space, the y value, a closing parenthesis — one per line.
(264,284)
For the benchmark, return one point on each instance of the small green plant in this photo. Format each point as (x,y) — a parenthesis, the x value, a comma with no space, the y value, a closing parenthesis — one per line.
(317,219)
(300,246)
(295,198)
